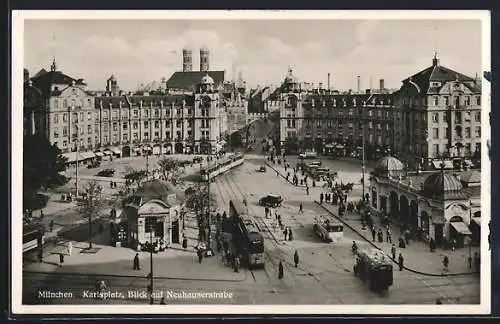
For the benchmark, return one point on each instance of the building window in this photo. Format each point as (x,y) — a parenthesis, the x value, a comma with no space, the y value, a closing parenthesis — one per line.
(436,101)
(446,101)
(478,131)
(157,113)
(136,136)
(468,148)
(435,117)
(125,126)
(125,137)
(115,138)
(157,134)
(369,113)
(179,123)
(478,100)
(135,125)
(105,114)
(146,135)
(89,115)
(167,135)
(65,144)
(435,133)
(350,112)
(157,124)
(65,131)
(105,139)
(178,134)
(89,129)
(56,132)
(135,113)
(105,128)
(478,147)
(467,100)
(65,117)
(115,127)
(146,113)
(436,149)
(56,118)
(478,116)
(89,139)
(370,125)
(167,123)
(96,128)
(458,117)
(467,132)
(146,124)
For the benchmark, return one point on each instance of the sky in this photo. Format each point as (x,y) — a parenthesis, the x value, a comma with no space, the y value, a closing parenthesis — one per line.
(141,51)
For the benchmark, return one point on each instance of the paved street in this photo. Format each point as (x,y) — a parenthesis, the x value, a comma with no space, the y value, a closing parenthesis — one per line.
(325,270)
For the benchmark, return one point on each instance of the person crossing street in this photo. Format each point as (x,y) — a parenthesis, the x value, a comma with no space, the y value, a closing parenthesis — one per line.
(296,258)
(401,261)
(136,262)
(280,270)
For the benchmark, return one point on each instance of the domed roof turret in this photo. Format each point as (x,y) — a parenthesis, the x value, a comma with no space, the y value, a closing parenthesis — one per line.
(207,79)
(441,184)
(112,77)
(290,78)
(204,48)
(389,166)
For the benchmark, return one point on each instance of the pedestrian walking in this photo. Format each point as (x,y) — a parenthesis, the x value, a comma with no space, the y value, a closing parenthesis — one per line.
(432,245)
(41,214)
(477,262)
(380,236)
(136,262)
(469,261)
(280,270)
(446,263)
(40,255)
(388,237)
(307,190)
(162,301)
(393,251)
(51,225)
(321,196)
(296,258)
(407,237)
(373,234)
(200,255)
(70,248)
(61,259)
(438,301)
(401,261)
(285,232)
(290,235)
(301,210)
(453,245)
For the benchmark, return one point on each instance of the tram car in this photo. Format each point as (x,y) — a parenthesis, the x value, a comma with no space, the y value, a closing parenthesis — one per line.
(221,166)
(328,229)
(33,237)
(247,238)
(374,268)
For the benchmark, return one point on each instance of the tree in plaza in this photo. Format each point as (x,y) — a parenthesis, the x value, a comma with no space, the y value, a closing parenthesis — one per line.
(291,145)
(42,163)
(91,204)
(170,168)
(135,176)
(198,200)
(235,140)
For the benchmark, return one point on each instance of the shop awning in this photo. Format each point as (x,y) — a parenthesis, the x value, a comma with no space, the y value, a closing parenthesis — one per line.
(340,146)
(461,228)
(70,157)
(447,164)
(107,152)
(116,150)
(477,220)
(98,154)
(86,155)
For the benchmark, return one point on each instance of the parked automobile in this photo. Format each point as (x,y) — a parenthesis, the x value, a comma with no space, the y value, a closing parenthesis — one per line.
(106,173)
(262,169)
(308,155)
(271,201)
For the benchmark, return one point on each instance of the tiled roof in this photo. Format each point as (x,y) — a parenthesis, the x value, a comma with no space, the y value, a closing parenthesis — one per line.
(189,80)
(135,100)
(438,73)
(155,189)
(44,81)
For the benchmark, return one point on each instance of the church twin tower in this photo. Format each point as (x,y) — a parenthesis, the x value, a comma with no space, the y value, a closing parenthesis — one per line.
(187,60)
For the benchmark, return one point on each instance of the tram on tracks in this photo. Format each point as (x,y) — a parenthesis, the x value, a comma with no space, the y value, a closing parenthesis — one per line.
(221,166)
(33,237)
(248,241)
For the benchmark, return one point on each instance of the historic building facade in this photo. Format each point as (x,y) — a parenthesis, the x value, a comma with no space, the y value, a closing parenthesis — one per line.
(442,205)
(60,107)
(435,115)
(322,120)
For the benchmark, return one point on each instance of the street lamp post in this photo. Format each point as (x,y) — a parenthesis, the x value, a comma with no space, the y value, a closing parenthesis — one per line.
(363,163)
(470,222)
(151,299)
(77,143)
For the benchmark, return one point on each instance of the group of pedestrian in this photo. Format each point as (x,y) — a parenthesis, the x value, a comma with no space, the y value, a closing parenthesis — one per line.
(112,184)
(287,232)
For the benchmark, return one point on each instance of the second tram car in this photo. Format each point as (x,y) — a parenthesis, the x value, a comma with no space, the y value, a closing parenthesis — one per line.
(328,229)
(375,268)
(247,239)
(220,166)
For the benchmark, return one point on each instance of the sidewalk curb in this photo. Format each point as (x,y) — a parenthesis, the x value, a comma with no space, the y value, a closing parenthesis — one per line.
(395,261)
(283,176)
(102,275)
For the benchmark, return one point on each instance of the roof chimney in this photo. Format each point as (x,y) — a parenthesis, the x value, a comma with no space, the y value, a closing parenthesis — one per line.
(359,83)
(328,84)
(435,60)
(382,84)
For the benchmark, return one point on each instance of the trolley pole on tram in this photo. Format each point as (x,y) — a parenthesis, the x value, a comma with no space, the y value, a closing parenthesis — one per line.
(151,299)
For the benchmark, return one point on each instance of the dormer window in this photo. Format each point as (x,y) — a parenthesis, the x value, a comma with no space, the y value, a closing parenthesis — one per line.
(435,84)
